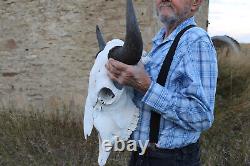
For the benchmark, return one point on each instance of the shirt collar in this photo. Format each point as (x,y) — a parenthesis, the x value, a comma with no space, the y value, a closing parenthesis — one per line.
(158,39)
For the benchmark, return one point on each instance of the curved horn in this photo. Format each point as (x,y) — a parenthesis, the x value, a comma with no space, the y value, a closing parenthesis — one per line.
(101,41)
(130,53)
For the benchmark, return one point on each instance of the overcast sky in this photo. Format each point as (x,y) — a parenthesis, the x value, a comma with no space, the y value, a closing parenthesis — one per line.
(230,17)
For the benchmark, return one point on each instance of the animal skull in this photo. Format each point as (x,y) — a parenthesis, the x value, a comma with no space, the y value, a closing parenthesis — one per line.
(109,106)
(109,109)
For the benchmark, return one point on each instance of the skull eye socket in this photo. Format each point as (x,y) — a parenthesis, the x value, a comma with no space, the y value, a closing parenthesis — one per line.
(106,96)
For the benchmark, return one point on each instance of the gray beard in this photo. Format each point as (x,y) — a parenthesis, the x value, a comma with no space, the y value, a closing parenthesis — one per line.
(168,21)
(171,20)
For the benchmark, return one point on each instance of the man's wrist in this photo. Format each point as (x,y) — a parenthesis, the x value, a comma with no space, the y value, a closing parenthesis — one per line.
(145,85)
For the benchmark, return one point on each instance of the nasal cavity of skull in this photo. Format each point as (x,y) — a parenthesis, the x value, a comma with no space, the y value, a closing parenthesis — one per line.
(106,96)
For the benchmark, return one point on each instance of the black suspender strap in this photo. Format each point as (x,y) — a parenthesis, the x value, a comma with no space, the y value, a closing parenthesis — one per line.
(155,117)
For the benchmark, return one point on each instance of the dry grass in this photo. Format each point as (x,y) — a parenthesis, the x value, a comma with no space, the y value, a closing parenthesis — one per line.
(39,138)
(234,77)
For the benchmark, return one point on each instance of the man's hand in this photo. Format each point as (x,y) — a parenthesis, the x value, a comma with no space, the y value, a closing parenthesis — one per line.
(134,76)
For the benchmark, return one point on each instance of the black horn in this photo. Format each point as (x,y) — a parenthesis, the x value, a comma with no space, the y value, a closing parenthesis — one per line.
(130,53)
(101,41)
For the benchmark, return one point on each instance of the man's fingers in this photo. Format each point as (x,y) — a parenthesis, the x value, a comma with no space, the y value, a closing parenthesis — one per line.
(116,78)
(112,69)
(113,77)
(119,72)
(118,65)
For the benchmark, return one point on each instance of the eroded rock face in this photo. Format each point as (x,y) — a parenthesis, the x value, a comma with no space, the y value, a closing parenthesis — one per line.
(47,47)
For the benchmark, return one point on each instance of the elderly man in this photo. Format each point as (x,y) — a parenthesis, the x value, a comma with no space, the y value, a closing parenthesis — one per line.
(176,101)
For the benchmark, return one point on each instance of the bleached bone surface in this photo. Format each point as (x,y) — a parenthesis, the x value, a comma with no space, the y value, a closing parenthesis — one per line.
(110,110)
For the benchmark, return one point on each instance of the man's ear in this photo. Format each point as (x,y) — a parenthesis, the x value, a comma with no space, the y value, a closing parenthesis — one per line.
(196,4)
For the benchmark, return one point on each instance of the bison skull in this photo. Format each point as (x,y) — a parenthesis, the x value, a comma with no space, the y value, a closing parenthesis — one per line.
(109,109)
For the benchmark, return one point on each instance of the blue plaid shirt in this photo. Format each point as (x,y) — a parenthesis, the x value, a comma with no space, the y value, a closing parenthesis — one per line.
(186,102)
